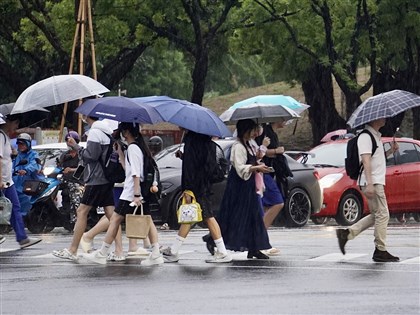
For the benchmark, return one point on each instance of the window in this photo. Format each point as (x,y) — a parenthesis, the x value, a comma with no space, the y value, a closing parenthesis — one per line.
(390,159)
(408,153)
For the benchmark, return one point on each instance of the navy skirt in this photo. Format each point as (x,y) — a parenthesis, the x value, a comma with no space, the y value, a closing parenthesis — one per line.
(240,217)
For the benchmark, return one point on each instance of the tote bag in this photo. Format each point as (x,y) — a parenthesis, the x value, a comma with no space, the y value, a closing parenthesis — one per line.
(189,213)
(137,226)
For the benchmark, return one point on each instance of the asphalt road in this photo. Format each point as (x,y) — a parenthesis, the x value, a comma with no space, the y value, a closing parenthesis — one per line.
(310,276)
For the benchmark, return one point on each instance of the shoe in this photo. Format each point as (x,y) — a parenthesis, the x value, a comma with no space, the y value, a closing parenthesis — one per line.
(86,246)
(342,235)
(65,254)
(2,239)
(168,256)
(384,256)
(209,243)
(257,254)
(139,252)
(220,258)
(113,257)
(151,261)
(271,252)
(29,242)
(164,226)
(96,257)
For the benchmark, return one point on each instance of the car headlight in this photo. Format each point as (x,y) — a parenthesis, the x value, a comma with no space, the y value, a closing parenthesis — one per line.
(48,170)
(329,180)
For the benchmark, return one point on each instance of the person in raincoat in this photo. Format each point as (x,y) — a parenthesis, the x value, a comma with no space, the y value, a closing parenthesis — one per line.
(25,171)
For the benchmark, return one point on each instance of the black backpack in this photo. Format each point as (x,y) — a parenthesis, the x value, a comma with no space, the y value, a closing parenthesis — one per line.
(221,168)
(353,166)
(151,175)
(113,170)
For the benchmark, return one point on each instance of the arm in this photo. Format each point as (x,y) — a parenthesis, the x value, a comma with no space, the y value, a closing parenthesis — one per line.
(366,158)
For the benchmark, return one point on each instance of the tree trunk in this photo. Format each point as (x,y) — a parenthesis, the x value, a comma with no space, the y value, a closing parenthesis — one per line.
(199,77)
(319,94)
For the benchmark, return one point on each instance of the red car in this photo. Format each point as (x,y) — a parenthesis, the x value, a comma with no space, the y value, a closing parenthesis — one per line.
(343,199)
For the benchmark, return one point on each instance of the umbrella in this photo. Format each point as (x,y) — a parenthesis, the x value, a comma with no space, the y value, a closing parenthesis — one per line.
(332,134)
(120,108)
(261,113)
(384,105)
(187,115)
(283,100)
(57,90)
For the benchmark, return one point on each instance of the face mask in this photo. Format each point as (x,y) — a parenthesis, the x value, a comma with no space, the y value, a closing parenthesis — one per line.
(123,139)
(84,119)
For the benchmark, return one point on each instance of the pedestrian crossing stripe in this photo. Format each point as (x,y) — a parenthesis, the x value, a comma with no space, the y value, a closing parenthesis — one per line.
(336,257)
(413,261)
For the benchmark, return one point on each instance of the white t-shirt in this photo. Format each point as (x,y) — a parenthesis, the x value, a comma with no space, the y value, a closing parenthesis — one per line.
(6,159)
(133,168)
(377,162)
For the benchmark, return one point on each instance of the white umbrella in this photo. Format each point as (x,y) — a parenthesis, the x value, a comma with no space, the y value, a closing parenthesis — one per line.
(57,90)
(6,109)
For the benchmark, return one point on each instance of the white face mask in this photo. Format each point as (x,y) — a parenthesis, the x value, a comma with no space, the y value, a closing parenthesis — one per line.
(123,139)
(84,119)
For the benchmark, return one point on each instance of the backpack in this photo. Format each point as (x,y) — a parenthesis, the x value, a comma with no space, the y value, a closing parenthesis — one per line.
(151,175)
(113,170)
(352,164)
(221,167)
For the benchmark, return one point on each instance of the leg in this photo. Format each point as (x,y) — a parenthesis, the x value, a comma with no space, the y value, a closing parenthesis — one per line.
(114,228)
(381,214)
(16,220)
(271,213)
(99,227)
(109,212)
(79,227)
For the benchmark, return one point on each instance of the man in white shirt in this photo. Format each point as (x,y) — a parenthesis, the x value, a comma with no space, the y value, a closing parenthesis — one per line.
(372,182)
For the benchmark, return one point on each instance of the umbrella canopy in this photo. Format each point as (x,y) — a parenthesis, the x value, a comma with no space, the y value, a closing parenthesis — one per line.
(6,109)
(57,90)
(120,108)
(261,113)
(333,134)
(187,115)
(284,100)
(384,105)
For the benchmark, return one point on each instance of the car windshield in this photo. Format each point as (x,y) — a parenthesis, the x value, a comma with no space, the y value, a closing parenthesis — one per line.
(50,156)
(330,154)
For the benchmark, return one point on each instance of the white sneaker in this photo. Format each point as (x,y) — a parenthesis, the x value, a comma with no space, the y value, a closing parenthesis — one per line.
(219,258)
(139,252)
(96,257)
(150,261)
(86,246)
(168,256)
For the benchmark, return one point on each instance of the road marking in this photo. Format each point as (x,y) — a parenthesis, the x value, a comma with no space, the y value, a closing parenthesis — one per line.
(411,261)
(336,257)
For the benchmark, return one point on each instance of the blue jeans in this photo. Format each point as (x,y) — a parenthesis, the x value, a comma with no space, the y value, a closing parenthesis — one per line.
(16,220)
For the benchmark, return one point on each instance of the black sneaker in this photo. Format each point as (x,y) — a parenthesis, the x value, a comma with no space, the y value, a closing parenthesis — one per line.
(384,256)
(209,243)
(342,235)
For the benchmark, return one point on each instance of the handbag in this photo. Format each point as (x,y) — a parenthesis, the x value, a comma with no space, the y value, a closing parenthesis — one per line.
(137,225)
(189,213)
(5,209)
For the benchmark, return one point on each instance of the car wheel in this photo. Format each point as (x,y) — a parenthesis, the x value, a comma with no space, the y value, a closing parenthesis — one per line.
(416,217)
(37,219)
(349,210)
(320,220)
(402,217)
(298,208)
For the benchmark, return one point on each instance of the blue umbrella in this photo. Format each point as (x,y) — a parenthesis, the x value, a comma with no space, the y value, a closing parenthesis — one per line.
(187,115)
(120,108)
(283,100)
(384,105)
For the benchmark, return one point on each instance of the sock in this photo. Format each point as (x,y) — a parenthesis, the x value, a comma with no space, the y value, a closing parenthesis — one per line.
(220,246)
(155,250)
(176,246)
(105,248)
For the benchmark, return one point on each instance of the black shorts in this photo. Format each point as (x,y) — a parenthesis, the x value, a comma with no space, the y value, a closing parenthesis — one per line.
(204,201)
(98,195)
(124,208)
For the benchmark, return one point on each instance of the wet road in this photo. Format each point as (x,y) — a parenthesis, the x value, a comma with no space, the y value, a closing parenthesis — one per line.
(309,277)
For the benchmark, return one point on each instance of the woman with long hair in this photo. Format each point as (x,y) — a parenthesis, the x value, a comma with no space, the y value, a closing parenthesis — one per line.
(133,160)
(240,212)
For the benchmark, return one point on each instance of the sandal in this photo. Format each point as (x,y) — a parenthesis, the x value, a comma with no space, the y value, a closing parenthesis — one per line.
(86,246)
(272,251)
(139,252)
(113,257)
(65,254)
(164,226)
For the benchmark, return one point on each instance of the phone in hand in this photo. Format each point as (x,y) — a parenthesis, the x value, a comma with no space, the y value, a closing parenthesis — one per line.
(78,174)
(271,169)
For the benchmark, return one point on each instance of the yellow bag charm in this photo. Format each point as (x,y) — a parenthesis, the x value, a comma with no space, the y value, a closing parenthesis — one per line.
(189,213)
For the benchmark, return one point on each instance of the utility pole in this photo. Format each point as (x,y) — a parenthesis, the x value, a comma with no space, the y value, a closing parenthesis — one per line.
(84,17)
